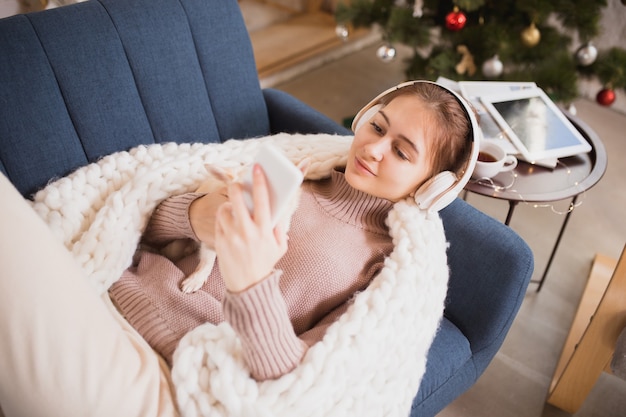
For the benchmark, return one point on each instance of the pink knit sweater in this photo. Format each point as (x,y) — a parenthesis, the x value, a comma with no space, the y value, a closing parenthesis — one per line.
(337,243)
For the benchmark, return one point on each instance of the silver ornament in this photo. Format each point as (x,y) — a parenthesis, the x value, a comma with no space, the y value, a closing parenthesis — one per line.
(386,53)
(493,67)
(342,32)
(586,54)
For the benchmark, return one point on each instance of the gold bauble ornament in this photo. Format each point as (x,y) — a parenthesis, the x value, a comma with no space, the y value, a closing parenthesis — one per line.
(530,36)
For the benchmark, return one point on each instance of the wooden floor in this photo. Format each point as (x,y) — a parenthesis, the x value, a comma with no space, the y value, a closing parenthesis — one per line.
(284,38)
(275,49)
(517,381)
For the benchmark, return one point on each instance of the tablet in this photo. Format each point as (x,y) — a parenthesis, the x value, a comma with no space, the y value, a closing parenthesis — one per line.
(471,89)
(535,125)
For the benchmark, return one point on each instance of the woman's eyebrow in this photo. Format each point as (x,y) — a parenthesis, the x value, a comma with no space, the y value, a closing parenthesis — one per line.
(401,137)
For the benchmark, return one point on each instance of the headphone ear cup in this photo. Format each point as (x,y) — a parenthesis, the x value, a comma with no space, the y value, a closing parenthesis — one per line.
(361,119)
(432,195)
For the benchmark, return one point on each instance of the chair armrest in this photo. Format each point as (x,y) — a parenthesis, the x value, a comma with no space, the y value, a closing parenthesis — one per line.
(490,268)
(288,114)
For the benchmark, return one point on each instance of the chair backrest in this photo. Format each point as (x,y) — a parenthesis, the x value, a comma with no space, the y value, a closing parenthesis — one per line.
(82,81)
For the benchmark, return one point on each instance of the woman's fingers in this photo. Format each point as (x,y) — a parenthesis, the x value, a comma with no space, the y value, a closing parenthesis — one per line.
(247,245)
(281,238)
(260,197)
(261,212)
(238,210)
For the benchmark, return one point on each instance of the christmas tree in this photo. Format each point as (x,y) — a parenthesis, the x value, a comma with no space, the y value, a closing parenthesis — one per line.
(549,42)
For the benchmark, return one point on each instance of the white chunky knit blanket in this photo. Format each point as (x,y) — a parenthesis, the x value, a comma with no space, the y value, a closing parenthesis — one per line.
(370,362)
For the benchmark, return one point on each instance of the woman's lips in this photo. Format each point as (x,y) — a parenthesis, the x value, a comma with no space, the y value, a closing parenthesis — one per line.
(361,166)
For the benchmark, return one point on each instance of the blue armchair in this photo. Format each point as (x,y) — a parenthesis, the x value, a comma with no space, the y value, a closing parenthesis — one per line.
(83,81)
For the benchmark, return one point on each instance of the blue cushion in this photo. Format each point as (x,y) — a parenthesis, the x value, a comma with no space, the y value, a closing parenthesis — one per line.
(449,353)
(93,78)
(152,72)
(36,122)
(227,63)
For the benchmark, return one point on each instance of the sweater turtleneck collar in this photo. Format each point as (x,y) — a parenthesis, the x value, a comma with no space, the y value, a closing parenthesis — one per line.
(343,202)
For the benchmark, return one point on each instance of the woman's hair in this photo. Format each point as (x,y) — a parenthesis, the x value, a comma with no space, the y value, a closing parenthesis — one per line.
(450,129)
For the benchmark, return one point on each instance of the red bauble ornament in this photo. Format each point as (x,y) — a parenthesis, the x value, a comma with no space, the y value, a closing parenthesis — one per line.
(605,97)
(455,20)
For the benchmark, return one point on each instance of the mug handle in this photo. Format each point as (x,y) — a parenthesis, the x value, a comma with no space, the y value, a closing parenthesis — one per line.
(510,162)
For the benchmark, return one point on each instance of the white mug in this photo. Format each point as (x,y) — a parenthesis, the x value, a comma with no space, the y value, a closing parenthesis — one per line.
(492,160)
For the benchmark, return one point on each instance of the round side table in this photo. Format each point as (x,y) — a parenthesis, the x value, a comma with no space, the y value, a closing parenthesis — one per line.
(536,184)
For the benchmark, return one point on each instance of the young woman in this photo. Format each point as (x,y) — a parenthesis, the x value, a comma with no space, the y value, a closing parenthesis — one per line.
(280,297)
(279,293)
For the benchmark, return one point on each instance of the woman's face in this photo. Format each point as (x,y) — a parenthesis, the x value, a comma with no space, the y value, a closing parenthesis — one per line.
(390,156)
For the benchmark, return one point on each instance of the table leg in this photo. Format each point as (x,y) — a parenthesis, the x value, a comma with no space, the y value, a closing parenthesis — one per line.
(512,205)
(558,240)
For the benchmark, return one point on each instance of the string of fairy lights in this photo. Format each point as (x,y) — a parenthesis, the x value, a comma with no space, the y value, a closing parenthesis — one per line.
(509,187)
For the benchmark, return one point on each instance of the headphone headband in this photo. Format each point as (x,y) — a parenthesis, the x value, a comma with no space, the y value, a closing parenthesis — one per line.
(444,187)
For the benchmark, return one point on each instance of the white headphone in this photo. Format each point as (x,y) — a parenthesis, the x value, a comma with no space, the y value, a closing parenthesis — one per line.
(440,190)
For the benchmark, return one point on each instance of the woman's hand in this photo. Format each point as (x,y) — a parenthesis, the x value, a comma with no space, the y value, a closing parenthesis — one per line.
(247,246)
(202,213)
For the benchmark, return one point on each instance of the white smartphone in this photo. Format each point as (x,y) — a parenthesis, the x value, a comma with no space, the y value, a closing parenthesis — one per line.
(283,177)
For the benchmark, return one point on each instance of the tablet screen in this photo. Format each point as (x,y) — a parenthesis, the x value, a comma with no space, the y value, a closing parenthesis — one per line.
(536,126)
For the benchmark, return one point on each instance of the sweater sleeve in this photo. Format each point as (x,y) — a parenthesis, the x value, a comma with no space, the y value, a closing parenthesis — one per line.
(260,318)
(170,220)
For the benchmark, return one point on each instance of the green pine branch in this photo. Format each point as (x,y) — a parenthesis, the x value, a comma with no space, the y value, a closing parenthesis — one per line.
(494,27)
